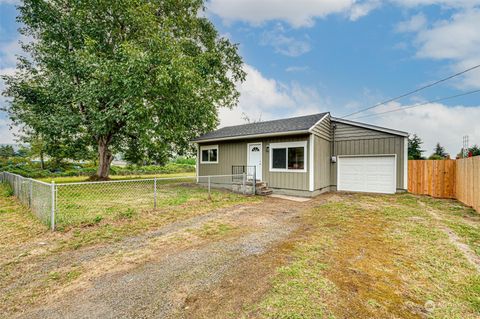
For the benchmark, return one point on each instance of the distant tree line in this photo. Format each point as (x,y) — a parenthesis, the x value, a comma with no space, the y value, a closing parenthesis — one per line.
(415,151)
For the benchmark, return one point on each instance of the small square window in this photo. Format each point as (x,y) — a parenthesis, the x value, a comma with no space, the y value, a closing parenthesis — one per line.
(209,154)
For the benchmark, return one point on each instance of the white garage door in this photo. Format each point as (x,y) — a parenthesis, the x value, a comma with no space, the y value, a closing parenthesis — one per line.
(375,174)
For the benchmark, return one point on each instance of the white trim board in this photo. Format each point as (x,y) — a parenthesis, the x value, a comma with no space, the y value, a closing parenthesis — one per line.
(311,173)
(239,137)
(405,163)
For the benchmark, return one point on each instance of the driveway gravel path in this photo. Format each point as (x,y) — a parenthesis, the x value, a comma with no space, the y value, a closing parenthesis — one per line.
(151,276)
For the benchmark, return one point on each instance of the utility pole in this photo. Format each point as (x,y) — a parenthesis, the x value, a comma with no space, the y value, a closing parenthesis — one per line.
(465,146)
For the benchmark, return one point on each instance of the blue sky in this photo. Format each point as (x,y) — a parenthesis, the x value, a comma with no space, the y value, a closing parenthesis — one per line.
(309,56)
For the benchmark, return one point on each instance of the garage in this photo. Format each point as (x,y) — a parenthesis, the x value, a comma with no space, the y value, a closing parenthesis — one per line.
(373,174)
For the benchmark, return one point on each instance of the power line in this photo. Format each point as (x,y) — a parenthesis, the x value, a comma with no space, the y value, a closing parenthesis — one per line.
(414,91)
(421,104)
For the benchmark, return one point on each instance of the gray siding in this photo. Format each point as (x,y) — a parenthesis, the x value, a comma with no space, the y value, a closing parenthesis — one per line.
(235,153)
(374,146)
(345,132)
(322,153)
(349,140)
(285,180)
(229,153)
(323,129)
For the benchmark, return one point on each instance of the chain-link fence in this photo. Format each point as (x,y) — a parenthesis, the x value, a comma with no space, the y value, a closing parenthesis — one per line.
(37,195)
(83,203)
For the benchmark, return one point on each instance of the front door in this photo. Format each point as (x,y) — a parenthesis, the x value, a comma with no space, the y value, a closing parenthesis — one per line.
(255,158)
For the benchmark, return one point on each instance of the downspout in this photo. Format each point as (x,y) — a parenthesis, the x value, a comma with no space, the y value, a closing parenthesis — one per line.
(333,158)
(334,127)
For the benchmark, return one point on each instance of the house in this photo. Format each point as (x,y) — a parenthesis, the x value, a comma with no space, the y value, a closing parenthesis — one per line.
(309,155)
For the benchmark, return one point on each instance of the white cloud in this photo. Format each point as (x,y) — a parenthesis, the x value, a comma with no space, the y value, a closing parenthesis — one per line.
(443,3)
(8,52)
(6,135)
(361,9)
(9,2)
(300,13)
(283,44)
(270,99)
(456,39)
(414,24)
(434,123)
(296,69)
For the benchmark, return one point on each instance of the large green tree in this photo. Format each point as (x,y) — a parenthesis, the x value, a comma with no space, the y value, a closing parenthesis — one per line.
(415,147)
(121,76)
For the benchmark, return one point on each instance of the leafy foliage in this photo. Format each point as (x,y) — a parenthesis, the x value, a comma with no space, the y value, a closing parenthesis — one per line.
(439,152)
(52,169)
(474,150)
(140,78)
(7,151)
(414,147)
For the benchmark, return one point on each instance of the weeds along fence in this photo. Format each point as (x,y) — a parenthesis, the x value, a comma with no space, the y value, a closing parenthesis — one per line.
(459,179)
(81,203)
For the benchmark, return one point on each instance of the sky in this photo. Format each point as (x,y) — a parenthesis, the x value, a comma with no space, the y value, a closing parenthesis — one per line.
(310,56)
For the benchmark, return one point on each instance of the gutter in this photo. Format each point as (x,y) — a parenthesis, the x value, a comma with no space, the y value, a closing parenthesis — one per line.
(239,137)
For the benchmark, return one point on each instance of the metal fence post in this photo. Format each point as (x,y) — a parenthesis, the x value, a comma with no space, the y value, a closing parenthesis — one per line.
(52,217)
(254,180)
(209,195)
(244,183)
(30,194)
(155,192)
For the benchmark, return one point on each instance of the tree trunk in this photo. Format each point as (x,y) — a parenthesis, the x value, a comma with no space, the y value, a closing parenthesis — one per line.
(105,158)
(42,162)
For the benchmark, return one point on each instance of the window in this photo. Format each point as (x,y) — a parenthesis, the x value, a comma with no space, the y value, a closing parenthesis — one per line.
(209,154)
(288,156)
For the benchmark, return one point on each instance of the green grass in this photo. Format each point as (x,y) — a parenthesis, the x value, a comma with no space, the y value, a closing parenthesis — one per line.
(377,257)
(26,244)
(75,179)
(90,204)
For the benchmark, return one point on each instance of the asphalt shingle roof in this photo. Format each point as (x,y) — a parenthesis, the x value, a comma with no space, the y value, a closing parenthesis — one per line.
(301,123)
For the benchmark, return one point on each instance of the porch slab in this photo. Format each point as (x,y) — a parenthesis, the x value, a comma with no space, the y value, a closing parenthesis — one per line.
(291,198)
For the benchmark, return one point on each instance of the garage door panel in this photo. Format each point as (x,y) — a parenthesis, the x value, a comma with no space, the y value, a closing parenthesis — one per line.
(367,174)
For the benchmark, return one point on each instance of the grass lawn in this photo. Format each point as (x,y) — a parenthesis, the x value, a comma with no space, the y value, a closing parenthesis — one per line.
(379,257)
(75,179)
(26,244)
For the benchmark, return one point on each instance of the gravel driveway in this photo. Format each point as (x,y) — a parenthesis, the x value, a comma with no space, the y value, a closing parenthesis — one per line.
(152,276)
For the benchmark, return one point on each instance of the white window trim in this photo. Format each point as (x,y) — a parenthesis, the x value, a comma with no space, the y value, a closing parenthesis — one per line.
(209,147)
(405,163)
(288,145)
(311,176)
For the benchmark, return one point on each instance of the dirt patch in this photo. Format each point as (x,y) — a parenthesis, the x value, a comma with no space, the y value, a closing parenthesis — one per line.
(467,252)
(154,275)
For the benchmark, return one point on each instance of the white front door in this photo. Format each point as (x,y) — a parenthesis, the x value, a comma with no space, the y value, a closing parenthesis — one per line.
(254,158)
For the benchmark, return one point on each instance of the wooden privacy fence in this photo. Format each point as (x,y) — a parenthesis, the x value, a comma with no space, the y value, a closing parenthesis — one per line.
(459,179)
(468,181)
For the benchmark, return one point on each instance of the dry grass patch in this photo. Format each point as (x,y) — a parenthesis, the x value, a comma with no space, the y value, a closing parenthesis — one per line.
(374,257)
(36,263)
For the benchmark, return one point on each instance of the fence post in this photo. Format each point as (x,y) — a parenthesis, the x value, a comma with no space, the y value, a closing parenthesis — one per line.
(209,195)
(155,192)
(52,217)
(30,194)
(244,183)
(254,180)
